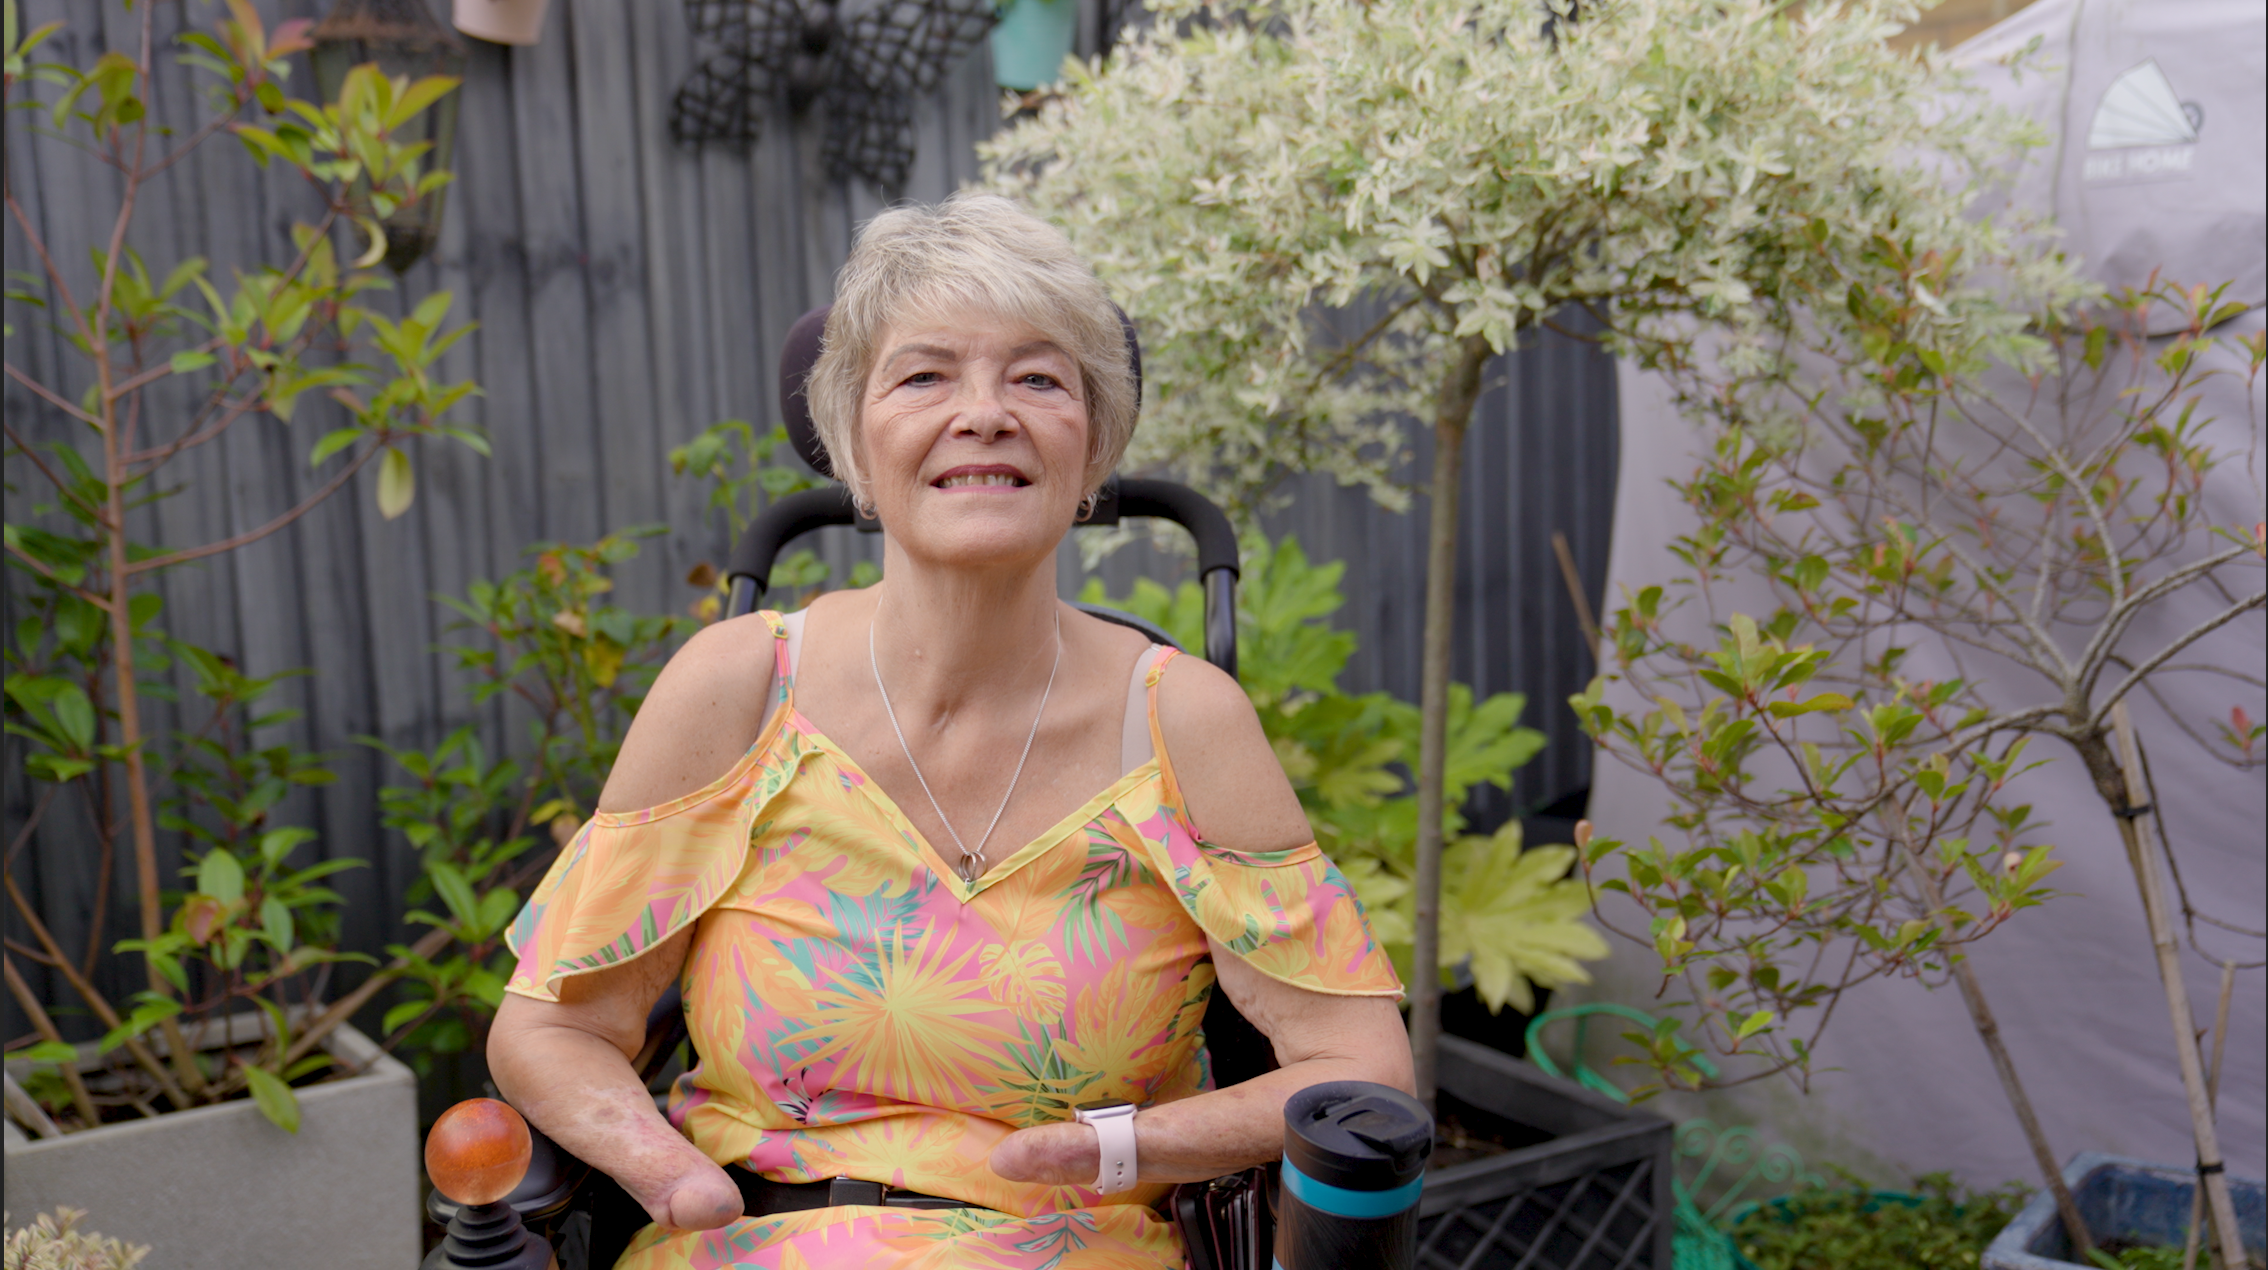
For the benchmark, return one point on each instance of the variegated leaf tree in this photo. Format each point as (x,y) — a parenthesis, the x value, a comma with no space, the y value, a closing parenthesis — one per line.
(1327,218)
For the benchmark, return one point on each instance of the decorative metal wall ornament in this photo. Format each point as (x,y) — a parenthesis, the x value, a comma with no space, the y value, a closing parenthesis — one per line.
(862,61)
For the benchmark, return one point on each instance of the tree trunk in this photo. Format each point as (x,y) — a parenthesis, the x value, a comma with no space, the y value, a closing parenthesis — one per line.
(1454,410)
(2211,1174)
(1988,1030)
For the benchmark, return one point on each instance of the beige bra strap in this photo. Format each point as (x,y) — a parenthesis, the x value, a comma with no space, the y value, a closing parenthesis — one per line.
(1136,748)
(794,624)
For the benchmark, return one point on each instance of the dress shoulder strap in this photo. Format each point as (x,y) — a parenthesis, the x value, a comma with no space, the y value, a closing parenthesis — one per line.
(1135,745)
(1147,672)
(784,632)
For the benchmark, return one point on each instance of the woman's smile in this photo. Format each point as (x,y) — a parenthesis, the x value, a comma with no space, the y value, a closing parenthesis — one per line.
(981,478)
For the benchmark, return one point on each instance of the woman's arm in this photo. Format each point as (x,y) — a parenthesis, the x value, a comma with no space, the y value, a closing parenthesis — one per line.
(1236,791)
(566,1064)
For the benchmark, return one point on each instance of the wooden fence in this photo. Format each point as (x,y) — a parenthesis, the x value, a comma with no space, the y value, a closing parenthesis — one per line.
(629,291)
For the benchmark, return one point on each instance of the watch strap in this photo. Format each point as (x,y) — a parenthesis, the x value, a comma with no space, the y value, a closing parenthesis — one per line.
(1114,1131)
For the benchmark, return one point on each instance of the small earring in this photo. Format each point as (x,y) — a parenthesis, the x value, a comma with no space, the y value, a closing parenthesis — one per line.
(1087,506)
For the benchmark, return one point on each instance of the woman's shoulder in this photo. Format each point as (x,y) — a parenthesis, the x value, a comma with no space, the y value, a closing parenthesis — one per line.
(1232,787)
(704,712)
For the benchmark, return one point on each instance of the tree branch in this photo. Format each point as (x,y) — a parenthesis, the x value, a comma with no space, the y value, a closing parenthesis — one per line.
(45,1026)
(46,262)
(305,505)
(434,941)
(156,373)
(95,1000)
(2101,716)
(2115,623)
(47,395)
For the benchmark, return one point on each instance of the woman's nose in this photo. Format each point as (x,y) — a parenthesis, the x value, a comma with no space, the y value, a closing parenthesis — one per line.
(984,412)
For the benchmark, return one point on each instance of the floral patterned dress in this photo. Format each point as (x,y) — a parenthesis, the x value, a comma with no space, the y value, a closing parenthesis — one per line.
(859,1011)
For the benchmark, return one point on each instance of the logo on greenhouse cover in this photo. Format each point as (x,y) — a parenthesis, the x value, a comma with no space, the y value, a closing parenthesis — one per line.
(2141,129)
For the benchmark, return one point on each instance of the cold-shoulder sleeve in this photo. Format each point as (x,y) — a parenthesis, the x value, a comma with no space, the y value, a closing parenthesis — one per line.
(628,881)
(1291,915)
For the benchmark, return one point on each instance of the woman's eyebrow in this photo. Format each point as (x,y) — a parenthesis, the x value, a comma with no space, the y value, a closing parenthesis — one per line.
(919,350)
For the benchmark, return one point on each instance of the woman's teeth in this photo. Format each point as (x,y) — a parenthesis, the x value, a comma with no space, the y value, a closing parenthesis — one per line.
(989,478)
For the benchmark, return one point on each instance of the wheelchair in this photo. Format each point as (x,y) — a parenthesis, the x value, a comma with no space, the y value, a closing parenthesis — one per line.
(584,1216)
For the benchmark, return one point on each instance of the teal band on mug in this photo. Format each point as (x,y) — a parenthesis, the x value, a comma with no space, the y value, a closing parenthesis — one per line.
(1338,1201)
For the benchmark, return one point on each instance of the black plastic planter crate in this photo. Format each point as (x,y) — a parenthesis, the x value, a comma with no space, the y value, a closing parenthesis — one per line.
(1591,1193)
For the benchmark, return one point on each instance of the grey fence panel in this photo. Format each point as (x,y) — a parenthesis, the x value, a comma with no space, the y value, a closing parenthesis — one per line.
(630,291)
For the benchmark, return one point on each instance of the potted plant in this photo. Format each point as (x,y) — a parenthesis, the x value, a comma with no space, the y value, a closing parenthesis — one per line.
(500,21)
(230,1071)
(1329,218)
(2130,1203)
(2021,495)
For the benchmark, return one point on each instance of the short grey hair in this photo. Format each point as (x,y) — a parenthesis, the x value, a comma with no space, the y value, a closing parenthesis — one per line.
(972,251)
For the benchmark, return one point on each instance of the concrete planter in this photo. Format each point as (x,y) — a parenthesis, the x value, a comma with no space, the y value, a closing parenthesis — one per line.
(221,1188)
(2119,1199)
(1591,1191)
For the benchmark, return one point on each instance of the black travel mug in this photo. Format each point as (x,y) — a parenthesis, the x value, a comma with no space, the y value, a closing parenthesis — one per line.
(1354,1163)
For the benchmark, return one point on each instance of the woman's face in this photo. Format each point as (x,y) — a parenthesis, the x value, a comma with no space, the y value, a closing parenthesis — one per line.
(974,429)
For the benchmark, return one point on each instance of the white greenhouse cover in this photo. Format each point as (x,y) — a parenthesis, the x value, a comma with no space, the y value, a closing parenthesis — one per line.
(2156,111)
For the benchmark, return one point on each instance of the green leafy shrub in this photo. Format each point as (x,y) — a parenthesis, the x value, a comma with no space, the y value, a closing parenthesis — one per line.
(581,666)
(1509,915)
(1940,1226)
(163,358)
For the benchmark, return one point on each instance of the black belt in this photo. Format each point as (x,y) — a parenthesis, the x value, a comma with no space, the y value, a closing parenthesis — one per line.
(761,1197)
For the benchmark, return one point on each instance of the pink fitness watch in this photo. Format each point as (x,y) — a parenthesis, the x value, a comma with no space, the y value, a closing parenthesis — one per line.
(1114,1125)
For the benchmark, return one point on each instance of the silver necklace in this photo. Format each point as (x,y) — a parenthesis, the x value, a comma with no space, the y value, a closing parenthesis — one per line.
(971,866)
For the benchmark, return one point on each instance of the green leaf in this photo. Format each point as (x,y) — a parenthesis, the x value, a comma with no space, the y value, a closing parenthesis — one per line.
(48,767)
(332,444)
(75,715)
(1824,701)
(397,484)
(220,876)
(455,891)
(497,909)
(400,1015)
(152,1011)
(276,924)
(189,360)
(277,1101)
(49,1052)
(277,843)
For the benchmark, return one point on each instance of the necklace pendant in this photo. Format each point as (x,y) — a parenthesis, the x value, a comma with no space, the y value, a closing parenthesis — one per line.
(970,869)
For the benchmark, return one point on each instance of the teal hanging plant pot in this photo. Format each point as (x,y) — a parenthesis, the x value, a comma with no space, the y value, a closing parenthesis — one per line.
(1031,41)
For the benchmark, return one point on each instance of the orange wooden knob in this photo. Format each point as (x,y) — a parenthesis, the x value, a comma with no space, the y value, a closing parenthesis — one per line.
(478,1151)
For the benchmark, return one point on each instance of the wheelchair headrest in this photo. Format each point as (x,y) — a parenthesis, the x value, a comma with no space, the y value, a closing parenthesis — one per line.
(801,353)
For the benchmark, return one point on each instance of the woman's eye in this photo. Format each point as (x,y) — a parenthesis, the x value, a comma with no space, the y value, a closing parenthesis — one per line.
(1036,379)
(924,379)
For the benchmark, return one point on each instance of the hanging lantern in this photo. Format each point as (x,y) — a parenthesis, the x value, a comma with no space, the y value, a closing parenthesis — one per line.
(404,40)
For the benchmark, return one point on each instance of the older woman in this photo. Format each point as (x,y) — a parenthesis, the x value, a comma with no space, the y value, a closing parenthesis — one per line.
(948,868)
